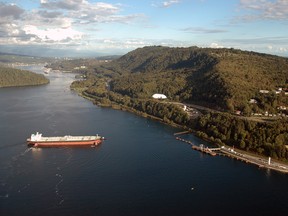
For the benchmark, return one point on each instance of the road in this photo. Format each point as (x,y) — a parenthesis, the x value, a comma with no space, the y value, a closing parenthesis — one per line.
(259,161)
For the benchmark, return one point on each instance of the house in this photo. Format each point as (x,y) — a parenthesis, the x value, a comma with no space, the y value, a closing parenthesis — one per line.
(253,101)
(159,96)
(238,112)
(264,91)
(282,108)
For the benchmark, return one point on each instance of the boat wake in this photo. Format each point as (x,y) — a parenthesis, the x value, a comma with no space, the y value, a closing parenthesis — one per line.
(16,157)
(15,168)
(4,195)
(59,197)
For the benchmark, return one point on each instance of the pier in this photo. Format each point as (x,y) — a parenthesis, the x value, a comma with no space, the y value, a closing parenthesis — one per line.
(200,148)
(181,133)
(232,153)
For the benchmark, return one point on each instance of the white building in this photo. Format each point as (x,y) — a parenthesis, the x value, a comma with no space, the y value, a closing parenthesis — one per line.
(264,91)
(253,101)
(159,96)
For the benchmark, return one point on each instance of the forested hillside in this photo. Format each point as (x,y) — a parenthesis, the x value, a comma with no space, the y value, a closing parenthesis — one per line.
(14,77)
(223,79)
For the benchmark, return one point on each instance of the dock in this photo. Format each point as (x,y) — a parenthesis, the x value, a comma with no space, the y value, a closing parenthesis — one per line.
(181,133)
(204,149)
(232,153)
(200,148)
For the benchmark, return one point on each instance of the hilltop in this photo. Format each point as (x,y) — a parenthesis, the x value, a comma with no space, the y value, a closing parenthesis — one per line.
(225,79)
(10,77)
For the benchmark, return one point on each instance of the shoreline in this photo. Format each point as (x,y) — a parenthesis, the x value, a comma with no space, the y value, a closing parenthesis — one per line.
(255,160)
(28,85)
(116,106)
(237,154)
(250,157)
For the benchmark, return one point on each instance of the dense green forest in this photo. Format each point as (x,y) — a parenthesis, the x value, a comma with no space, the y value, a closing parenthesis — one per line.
(15,77)
(264,138)
(222,79)
(225,79)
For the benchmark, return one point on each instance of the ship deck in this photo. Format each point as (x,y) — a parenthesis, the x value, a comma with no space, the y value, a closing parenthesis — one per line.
(68,138)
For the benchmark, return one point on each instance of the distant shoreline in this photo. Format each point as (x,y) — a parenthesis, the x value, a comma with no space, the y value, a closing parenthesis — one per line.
(12,77)
(24,85)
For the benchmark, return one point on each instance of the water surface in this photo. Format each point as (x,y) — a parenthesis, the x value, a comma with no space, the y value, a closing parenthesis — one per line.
(139,170)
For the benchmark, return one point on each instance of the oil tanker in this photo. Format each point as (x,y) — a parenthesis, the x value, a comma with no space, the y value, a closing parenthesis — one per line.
(37,140)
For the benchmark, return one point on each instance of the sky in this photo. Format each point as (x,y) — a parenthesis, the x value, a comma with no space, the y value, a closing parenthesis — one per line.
(92,28)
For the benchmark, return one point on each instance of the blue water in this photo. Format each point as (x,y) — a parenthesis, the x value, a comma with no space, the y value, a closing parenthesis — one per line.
(139,170)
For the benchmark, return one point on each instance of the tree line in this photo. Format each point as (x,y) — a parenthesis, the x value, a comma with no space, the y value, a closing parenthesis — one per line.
(15,77)
(264,138)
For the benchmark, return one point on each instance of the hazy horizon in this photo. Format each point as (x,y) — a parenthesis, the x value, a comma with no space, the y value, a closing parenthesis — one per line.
(95,28)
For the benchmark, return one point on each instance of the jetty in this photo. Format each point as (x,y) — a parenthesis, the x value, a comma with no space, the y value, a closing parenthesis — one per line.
(181,133)
(238,155)
(200,148)
(204,149)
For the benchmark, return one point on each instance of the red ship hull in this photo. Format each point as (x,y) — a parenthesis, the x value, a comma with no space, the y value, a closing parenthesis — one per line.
(66,143)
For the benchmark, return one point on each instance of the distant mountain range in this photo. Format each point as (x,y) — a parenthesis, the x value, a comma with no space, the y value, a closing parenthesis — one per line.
(10,58)
(52,51)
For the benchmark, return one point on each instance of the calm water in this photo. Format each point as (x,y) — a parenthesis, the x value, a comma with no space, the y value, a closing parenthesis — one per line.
(139,170)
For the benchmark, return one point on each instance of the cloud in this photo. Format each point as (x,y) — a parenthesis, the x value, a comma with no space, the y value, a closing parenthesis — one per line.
(166,4)
(260,40)
(169,3)
(47,19)
(200,30)
(56,21)
(81,7)
(124,44)
(12,11)
(84,12)
(273,45)
(53,35)
(48,14)
(264,9)
(215,45)
(64,4)
(10,30)
(128,44)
